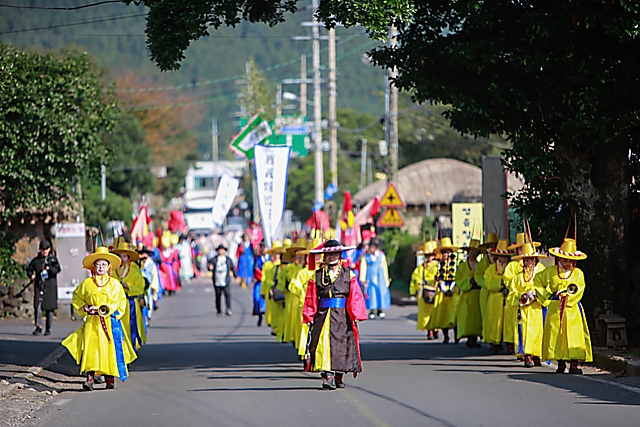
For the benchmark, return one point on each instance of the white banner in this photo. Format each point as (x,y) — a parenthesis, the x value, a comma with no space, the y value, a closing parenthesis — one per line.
(272,169)
(227,190)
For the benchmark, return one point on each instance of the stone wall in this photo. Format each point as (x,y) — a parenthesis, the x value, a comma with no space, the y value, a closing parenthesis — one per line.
(13,303)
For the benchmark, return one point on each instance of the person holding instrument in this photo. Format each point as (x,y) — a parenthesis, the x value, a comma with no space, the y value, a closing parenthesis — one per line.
(42,271)
(423,286)
(99,346)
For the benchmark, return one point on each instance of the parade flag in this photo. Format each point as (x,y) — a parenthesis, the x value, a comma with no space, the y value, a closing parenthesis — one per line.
(227,190)
(253,133)
(272,169)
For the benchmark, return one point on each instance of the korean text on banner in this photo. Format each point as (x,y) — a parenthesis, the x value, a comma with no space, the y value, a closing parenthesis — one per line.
(255,131)
(227,190)
(466,220)
(272,168)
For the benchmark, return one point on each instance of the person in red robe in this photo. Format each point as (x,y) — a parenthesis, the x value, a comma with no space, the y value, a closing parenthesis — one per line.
(333,306)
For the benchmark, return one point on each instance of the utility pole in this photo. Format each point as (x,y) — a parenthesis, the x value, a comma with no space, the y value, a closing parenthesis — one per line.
(214,153)
(363,164)
(333,126)
(393,109)
(317,111)
(303,85)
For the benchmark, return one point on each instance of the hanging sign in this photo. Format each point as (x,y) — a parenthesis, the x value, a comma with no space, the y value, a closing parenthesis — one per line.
(272,168)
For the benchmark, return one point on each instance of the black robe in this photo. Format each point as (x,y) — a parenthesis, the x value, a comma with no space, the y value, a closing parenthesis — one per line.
(47,290)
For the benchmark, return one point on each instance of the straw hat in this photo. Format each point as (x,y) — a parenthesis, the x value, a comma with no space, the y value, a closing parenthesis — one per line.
(473,244)
(299,245)
(428,248)
(445,244)
(501,249)
(520,241)
(492,238)
(126,248)
(528,251)
(101,253)
(568,250)
(330,246)
(276,248)
(311,245)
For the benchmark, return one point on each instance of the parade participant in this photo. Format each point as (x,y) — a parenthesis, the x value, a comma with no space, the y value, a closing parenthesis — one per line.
(291,300)
(151,273)
(269,272)
(129,275)
(186,257)
(485,262)
(566,333)
(333,306)
(99,345)
(445,305)
(246,261)
(524,296)
(42,270)
(222,269)
(298,287)
(278,293)
(423,286)
(374,277)
(170,264)
(511,311)
(259,303)
(469,314)
(493,281)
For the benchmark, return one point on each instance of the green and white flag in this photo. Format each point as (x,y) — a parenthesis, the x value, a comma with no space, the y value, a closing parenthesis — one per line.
(255,131)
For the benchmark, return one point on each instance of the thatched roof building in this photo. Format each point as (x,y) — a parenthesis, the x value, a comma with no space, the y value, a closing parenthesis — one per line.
(446,180)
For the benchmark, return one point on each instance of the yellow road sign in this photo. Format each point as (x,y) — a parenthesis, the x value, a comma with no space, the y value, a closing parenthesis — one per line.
(391,218)
(391,198)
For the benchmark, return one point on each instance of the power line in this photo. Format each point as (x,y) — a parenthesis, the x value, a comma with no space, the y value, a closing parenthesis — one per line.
(226,79)
(72,24)
(144,35)
(84,6)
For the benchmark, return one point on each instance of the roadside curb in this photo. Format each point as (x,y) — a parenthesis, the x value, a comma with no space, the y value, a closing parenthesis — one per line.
(31,373)
(604,358)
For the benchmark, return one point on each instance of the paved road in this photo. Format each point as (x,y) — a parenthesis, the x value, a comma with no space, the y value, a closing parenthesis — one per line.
(200,370)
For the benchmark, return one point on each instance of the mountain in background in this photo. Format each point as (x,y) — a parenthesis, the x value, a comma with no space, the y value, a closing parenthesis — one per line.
(114,35)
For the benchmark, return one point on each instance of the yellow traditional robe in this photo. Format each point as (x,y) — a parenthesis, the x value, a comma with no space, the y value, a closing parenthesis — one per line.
(469,314)
(529,320)
(573,341)
(445,309)
(268,271)
(298,287)
(484,263)
(132,276)
(494,311)
(420,275)
(291,303)
(93,348)
(511,311)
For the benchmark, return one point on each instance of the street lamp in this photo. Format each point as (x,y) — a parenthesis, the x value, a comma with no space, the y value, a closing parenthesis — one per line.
(290,96)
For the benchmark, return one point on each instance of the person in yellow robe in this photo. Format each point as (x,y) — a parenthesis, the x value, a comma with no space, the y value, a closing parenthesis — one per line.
(423,286)
(511,311)
(485,262)
(445,306)
(523,296)
(469,314)
(494,312)
(130,276)
(291,302)
(298,287)
(566,334)
(99,345)
(277,313)
(269,271)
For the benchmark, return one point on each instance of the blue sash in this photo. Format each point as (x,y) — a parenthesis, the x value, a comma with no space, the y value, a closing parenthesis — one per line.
(332,303)
(118,338)
(133,315)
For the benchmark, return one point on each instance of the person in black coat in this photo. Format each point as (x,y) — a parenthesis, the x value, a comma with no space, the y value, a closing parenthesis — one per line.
(43,270)
(222,268)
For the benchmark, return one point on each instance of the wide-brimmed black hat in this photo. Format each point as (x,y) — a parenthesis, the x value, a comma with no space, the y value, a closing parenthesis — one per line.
(221,247)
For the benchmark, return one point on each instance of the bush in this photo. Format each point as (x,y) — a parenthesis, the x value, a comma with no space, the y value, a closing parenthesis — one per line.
(400,247)
(10,270)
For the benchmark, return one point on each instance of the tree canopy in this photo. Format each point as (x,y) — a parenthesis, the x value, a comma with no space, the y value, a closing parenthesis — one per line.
(53,109)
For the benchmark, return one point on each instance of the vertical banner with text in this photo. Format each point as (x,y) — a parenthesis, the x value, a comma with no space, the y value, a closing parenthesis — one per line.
(467,223)
(227,190)
(272,169)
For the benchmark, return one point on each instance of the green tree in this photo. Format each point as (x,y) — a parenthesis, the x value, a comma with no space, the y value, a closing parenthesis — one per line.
(129,157)
(98,212)
(258,94)
(53,109)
